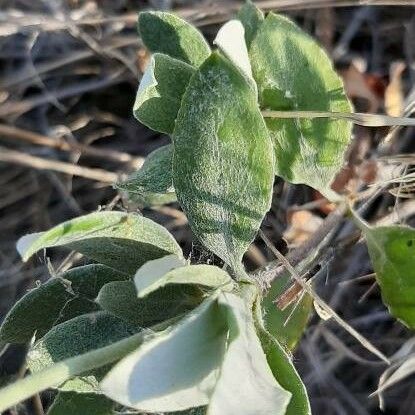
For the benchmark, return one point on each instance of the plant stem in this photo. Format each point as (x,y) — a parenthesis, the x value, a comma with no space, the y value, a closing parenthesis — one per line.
(367,120)
(62,371)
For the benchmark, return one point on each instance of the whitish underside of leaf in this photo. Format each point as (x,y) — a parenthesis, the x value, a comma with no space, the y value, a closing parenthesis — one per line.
(160,92)
(59,299)
(72,403)
(77,336)
(166,33)
(392,251)
(123,241)
(204,275)
(175,369)
(246,385)
(287,325)
(223,159)
(153,177)
(251,18)
(120,298)
(283,369)
(293,73)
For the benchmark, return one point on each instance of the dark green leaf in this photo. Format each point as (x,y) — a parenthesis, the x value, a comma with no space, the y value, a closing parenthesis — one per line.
(392,251)
(59,299)
(120,298)
(251,18)
(294,73)
(160,92)
(223,160)
(283,370)
(166,33)
(72,403)
(123,241)
(79,335)
(154,180)
(287,325)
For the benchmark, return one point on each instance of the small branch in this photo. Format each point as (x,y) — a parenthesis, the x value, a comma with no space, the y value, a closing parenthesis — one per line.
(367,120)
(63,145)
(23,159)
(306,287)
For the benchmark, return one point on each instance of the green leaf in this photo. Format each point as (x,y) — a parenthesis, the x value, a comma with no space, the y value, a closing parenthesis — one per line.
(120,298)
(166,33)
(165,271)
(392,251)
(251,18)
(283,369)
(246,385)
(153,182)
(123,241)
(72,403)
(59,299)
(77,336)
(294,73)
(160,92)
(287,325)
(223,159)
(175,369)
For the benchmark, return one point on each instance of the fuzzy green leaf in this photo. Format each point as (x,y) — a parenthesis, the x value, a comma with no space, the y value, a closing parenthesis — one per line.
(166,33)
(123,241)
(287,325)
(294,73)
(120,298)
(153,181)
(175,369)
(77,336)
(160,92)
(59,299)
(283,369)
(72,403)
(392,251)
(246,385)
(251,18)
(223,166)
(210,276)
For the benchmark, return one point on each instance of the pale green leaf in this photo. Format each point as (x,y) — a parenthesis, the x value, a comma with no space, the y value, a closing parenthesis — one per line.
(123,241)
(294,73)
(231,42)
(72,403)
(251,18)
(223,159)
(153,181)
(160,92)
(120,298)
(77,336)
(175,369)
(169,34)
(246,385)
(151,279)
(287,325)
(59,299)
(392,251)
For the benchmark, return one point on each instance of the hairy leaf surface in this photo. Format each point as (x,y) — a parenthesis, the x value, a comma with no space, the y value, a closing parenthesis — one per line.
(251,18)
(123,241)
(72,403)
(293,73)
(160,92)
(59,299)
(223,164)
(120,298)
(169,34)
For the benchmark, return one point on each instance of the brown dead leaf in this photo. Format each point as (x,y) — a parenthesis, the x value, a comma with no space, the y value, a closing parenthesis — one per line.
(303,224)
